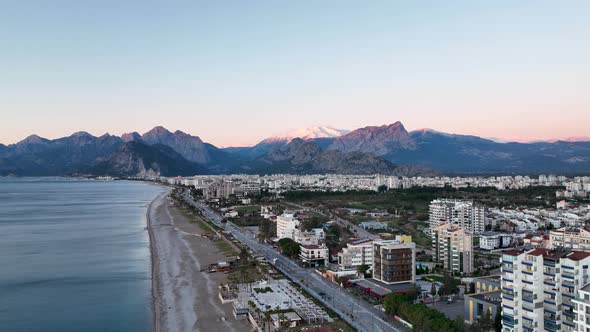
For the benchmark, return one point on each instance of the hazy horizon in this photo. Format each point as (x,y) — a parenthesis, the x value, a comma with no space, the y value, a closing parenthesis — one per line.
(236,74)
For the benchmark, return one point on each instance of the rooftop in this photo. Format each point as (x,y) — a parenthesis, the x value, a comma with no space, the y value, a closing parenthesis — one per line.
(512,252)
(578,255)
(379,288)
(311,246)
(494,297)
(360,241)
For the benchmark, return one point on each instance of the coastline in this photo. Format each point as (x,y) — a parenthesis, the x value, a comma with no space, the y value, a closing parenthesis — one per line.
(154,258)
(184,294)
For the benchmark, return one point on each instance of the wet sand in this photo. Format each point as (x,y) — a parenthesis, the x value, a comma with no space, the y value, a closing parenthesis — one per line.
(184,298)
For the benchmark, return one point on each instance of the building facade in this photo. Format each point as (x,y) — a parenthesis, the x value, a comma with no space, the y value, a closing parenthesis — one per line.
(485,305)
(569,238)
(314,255)
(493,240)
(394,261)
(539,287)
(286,225)
(582,310)
(355,254)
(453,247)
(463,213)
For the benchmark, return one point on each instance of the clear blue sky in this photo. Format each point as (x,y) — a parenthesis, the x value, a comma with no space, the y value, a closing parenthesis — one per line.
(234,72)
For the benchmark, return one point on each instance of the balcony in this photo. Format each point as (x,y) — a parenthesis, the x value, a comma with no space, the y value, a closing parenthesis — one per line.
(508,291)
(568,275)
(529,297)
(509,320)
(568,283)
(508,303)
(529,325)
(552,325)
(528,306)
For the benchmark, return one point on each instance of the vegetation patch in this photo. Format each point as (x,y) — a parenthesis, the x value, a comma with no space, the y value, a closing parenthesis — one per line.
(263,290)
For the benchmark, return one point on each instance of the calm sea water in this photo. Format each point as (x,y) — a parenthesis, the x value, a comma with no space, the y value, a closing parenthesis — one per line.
(74,255)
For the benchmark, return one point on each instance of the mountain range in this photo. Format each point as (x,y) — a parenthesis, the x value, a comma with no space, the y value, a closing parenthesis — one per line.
(387,149)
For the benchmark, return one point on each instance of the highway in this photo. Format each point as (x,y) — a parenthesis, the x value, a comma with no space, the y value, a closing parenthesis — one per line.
(356,312)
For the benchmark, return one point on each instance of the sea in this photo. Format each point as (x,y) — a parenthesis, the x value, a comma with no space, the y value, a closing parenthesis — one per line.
(74,255)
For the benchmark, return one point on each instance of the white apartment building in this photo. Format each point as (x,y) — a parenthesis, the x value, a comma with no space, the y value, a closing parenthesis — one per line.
(582,310)
(286,225)
(569,238)
(453,247)
(539,287)
(492,240)
(463,213)
(314,255)
(394,261)
(489,241)
(356,253)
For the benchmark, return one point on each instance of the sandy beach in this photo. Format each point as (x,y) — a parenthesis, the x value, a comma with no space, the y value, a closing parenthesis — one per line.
(184,298)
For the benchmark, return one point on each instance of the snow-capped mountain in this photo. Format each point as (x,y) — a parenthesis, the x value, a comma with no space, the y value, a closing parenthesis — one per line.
(306,134)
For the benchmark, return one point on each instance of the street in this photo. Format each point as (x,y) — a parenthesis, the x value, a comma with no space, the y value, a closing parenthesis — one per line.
(356,312)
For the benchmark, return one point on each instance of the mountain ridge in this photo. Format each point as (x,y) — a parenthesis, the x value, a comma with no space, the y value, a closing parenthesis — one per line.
(361,150)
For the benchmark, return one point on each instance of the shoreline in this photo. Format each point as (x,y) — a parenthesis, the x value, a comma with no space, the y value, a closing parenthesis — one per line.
(185,296)
(154,262)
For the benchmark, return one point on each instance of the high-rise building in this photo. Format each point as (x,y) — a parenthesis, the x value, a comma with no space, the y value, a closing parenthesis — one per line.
(394,261)
(463,213)
(453,246)
(539,287)
(582,310)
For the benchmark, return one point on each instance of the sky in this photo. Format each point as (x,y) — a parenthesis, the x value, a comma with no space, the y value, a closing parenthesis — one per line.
(235,72)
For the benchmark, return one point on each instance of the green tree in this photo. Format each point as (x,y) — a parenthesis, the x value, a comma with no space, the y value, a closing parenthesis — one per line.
(363,269)
(289,247)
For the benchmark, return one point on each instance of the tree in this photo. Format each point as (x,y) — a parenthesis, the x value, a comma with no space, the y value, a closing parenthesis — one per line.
(449,284)
(422,317)
(289,247)
(362,269)
(498,322)
(266,229)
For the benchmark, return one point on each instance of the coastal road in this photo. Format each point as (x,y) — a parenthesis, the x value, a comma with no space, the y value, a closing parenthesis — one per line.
(357,312)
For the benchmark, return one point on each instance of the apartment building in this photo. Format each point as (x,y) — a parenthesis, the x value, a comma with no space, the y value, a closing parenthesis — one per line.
(539,287)
(286,225)
(582,310)
(356,253)
(569,238)
(453,246)
(463,213)
(314,255)
(394,261)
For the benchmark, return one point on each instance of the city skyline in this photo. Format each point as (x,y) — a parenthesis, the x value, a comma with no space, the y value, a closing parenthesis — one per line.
(234,75)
